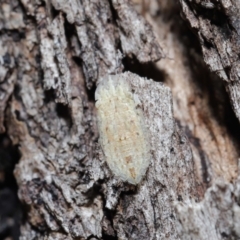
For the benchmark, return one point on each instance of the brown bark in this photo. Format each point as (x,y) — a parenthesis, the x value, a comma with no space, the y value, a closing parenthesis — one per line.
(53,54)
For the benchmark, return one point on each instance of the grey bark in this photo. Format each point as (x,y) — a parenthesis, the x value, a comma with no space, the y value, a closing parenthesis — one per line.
(52,54)
(218,27)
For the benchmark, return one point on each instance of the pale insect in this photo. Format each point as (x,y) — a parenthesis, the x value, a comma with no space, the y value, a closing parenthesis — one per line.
(123,135)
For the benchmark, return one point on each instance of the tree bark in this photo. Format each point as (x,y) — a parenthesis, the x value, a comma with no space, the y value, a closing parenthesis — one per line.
(53,54)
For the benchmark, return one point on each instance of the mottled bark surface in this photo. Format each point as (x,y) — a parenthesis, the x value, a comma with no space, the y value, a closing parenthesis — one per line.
(52,54)
(218,27)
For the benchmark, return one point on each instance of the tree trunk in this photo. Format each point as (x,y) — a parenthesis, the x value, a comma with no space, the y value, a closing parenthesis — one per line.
(54,54)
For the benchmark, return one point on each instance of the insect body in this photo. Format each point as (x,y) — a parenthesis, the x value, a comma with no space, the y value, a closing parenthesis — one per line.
(123,135)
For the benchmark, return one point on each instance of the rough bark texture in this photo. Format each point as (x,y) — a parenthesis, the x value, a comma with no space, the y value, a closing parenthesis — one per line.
(218,28)
(52,54)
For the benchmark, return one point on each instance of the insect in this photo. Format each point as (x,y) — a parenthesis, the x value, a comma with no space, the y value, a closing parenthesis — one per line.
(123,134)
